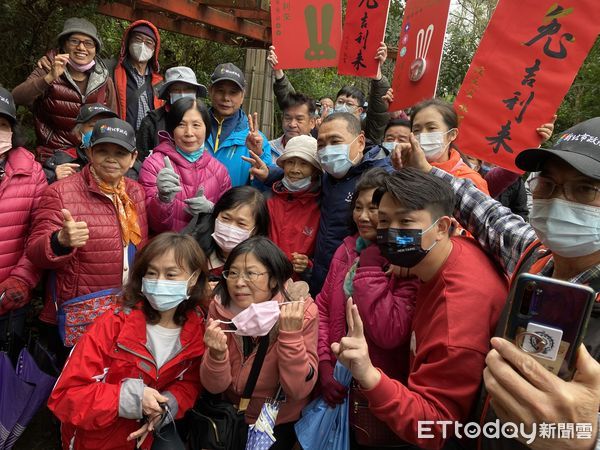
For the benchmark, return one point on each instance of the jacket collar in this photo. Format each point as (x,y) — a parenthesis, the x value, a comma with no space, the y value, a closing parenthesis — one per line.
(166,147)
(306,196)
(19,161)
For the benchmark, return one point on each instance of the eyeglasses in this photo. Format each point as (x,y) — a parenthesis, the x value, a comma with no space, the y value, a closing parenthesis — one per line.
(88,43)
(146,41)
(342,103)
(575,191)
(246,276)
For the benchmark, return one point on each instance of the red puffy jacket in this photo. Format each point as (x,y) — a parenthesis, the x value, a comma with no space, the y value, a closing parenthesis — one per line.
(20,192)
(99,264)
(87,396)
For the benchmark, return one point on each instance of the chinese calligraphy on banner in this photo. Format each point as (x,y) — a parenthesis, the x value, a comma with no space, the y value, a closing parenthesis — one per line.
(419,51)
(364,29)
(528,57)
(306,33)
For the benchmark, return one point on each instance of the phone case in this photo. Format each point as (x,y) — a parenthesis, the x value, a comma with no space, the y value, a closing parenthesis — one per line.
(548,319)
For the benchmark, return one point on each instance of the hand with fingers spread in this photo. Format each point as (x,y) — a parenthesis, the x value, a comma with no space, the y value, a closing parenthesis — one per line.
(215,340)
(72,234)
(523,391)
(332,391)
(198,204)
(546,129)
(300,262)
(254,140)
(259,169)
(272,60)
(410,155)
(291,317)
(66,169)
(388,98)
(168,183)
(380,56)
(58,68)
(353,352)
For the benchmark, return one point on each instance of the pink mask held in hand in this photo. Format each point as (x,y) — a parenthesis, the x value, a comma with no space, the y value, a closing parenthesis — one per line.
(257,319)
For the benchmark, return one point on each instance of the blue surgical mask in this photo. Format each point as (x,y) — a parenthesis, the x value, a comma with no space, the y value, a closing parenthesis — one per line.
(173,97)
(343,107)
(165,294)
(191,157)
(335,160)
(85,139)
(389,146)
(295,186)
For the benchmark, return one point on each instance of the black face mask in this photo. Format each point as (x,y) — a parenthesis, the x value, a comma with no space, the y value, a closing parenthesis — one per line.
(402,247)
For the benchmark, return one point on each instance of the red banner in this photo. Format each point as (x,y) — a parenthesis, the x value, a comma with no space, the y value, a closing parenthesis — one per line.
(364,29)
(306,33)
(419,52)
(526,62)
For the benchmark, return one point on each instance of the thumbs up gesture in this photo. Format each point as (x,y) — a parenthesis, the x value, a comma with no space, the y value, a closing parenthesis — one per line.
(167,183)
(198,204)
(352,351)
(72,234)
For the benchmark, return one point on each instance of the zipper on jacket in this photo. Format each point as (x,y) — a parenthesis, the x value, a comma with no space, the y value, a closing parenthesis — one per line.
(145,358)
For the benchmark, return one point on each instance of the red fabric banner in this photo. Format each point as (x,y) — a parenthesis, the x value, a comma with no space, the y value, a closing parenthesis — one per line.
(364,29)
(527,60)
(419,51)
(306,33)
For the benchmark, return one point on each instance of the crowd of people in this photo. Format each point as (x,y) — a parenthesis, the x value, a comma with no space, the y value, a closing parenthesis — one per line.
(177,245)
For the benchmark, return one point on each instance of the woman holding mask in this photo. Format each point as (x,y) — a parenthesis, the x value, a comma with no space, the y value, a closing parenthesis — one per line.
(141,359)
(256,295)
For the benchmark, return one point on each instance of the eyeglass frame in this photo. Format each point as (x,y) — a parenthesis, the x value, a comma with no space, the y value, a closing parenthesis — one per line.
(139,38)
(88,43)
(562,188)
(246,276)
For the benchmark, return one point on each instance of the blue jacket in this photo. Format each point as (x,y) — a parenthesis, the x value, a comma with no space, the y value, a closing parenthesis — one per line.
(336,195)
(232,133)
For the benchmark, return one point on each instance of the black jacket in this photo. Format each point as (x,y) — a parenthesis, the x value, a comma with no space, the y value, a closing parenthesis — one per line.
(147,136)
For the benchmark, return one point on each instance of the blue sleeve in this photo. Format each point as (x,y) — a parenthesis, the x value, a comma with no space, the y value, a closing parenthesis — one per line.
(266,155)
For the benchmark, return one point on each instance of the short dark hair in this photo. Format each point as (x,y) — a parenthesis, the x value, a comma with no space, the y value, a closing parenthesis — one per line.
(231,199)
(279,266)
(372,179)
(444,108)
(187,252)
(180,107)
(416,190)
(354,92)
(397,123)
(352,122)
(299,99)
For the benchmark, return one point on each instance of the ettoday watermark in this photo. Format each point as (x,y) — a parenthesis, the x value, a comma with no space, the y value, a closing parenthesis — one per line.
(509,430)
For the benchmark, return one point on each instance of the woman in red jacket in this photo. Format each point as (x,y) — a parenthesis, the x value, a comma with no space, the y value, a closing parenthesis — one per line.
(89,225)
(385,300)
(22,182)
(140,360)
(254,289)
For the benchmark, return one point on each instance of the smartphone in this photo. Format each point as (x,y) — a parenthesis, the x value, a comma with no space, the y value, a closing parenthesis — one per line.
(548,319)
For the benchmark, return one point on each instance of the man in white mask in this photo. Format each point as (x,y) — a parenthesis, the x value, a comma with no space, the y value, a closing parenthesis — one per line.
(562,241)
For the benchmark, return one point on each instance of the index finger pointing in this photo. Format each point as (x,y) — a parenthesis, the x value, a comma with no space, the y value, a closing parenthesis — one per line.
(358,323)
(349,317)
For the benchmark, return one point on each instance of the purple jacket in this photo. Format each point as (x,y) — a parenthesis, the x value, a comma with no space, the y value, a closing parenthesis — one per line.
(206,172)
(386,305)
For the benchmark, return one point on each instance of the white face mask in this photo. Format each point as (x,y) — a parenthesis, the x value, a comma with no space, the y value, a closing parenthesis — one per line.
(295,186)
(433,144)
(179,95)
(140,52)
(335,159)
(567,228)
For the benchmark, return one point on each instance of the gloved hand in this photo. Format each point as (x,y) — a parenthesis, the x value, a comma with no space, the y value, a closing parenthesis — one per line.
(371,257)
(333,392)
(14,294)
(167,183)
(198,204)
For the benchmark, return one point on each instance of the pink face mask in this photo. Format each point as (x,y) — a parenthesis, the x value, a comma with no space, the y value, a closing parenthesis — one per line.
(228,236)
(257,319)
(5,141)
(81,67)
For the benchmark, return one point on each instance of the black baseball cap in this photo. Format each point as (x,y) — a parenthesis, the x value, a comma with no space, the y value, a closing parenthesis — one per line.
(114,131)
(578,146)
(7,105)
(230,72)
(91,110)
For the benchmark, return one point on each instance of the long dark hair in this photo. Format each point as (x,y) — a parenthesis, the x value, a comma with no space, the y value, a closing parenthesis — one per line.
(279,266)
(188,253)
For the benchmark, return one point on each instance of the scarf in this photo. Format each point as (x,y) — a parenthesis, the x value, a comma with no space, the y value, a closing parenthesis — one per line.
(126,212)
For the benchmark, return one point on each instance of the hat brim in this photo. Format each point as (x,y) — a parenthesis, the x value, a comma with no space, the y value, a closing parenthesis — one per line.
(201,90)
(78,30)
(291,154)
(533,160)
(111,140)
(228,79)
(108,114)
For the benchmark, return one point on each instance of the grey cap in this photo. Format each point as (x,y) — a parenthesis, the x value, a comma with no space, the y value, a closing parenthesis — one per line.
(114,131)
(80,25)
(7,105)
(180,74)
(230,72)
(91,110)
(578,146)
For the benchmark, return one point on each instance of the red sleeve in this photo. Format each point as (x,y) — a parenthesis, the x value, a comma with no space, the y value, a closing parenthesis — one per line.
(386,305)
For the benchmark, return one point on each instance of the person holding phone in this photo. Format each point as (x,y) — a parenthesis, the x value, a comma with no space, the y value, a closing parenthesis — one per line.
(561,241)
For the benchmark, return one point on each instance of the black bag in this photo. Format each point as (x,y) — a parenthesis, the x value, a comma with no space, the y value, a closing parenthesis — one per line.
(215,423)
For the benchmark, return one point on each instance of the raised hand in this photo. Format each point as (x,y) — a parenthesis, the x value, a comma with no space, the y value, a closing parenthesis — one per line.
(388,98)
(380,56)
(167,183)
(546,129)
(198,204)
(58,68)
(291,317)
(272,60)
(259,169)
(44,63)
(215,340)
(254,140)
(410,155)
(72,234)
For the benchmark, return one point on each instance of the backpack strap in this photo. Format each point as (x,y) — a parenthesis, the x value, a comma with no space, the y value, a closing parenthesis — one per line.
(261,352)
